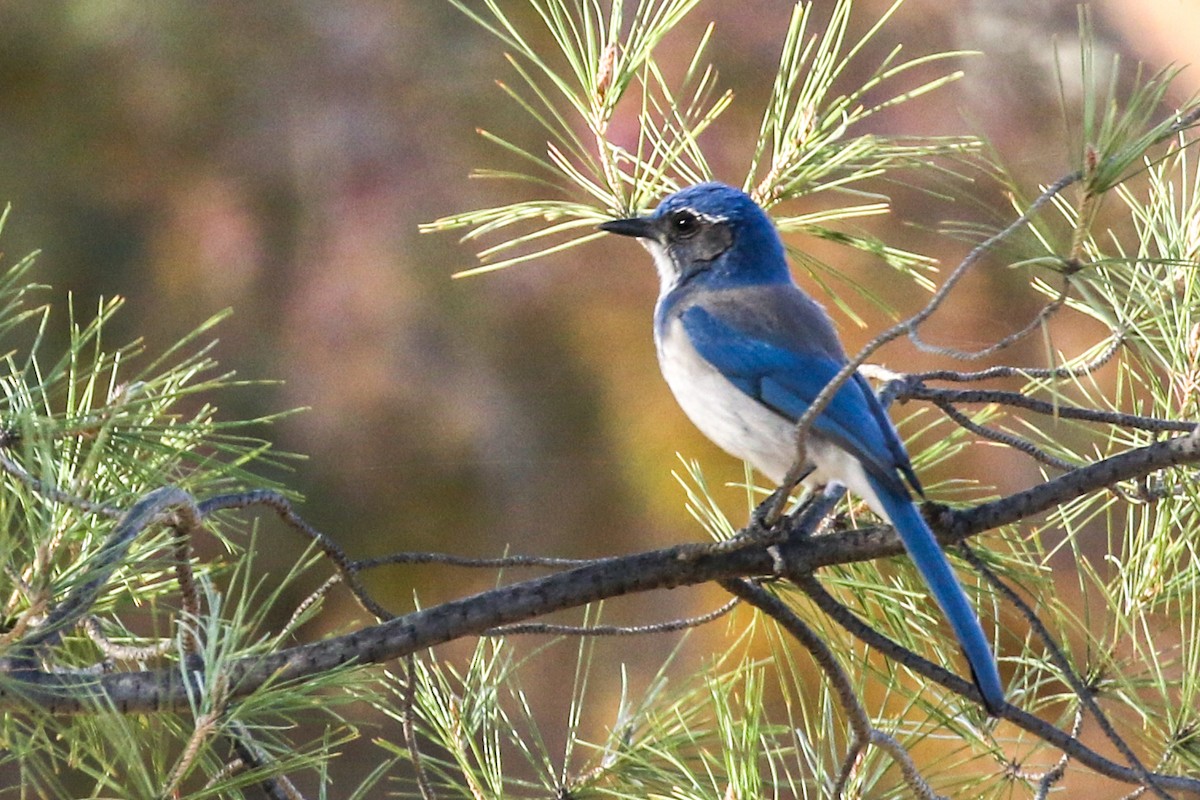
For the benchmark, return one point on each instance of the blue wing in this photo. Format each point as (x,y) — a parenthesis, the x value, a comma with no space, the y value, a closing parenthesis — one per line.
(785,367)
(787,377)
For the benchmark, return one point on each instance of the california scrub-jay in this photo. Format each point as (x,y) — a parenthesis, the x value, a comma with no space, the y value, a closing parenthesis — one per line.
(745,352)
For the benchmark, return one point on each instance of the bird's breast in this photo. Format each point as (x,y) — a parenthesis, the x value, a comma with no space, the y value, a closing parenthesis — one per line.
(732,419)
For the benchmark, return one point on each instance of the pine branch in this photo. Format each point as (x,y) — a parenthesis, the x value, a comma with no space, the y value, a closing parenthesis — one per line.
(158,690)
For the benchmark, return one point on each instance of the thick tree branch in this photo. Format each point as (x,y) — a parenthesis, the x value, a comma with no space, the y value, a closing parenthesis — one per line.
(683,565)
(956,525)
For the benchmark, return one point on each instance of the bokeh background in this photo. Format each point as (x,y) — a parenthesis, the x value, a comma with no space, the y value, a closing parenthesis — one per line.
(277,158)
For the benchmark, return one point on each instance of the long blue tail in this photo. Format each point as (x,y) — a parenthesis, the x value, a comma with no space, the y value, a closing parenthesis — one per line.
(927,554)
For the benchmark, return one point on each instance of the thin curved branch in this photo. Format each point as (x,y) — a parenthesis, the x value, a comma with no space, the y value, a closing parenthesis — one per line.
(120,652)
(1056,773)
(908,767)
(408,678)
(1045,373)
(818,648)
(911,389)
(959,524)
(284,510)
(1044,313)
(150,509)
(50,491)
(304,605)
(1003,437)
(503,562)
(188,590)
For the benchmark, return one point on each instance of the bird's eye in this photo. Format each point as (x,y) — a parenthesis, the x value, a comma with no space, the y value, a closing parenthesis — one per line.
(684,224)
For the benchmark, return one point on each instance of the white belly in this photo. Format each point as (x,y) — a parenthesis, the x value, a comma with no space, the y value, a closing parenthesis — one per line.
(733,420)
(745,428)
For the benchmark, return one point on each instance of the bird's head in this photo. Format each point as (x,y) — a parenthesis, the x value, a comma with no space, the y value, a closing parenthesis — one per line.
(708,228)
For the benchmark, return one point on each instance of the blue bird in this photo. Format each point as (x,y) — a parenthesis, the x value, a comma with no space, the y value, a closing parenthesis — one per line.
(746,351)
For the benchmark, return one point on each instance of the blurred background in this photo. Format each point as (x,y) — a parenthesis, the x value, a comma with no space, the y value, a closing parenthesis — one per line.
(277,158)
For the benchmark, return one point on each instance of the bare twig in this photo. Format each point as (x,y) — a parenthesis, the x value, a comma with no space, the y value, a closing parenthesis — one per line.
(228,771)
(1100,475)
(1035,324)
(895,652)
(1001,437)
(53,493)
(912,776)
(1141,790)
(503,562)
(1052,776)
(39,601)
(284,510)
(916,390)
(121,652)
(144,513)
(1041,373)
(188,591)
(408,667)
(308,602)
(202,729)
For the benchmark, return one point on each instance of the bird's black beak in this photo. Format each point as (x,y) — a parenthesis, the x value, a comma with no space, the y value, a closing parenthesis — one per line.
(640,227)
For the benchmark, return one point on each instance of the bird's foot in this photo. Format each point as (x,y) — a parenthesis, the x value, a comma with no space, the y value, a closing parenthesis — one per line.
(760,531)
(766,519)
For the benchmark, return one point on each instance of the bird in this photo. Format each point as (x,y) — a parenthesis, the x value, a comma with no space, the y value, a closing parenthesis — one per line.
(746,351)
